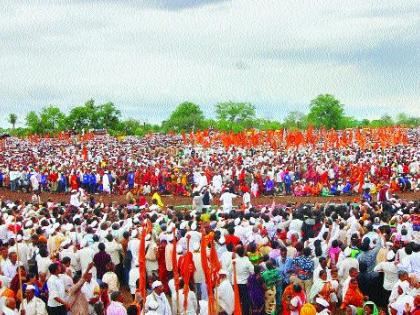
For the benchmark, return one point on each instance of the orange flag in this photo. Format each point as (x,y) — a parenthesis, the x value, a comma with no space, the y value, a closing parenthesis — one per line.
(207,272)
(85,153)
(187,270)
(142,264)
(237,300)
(175,270)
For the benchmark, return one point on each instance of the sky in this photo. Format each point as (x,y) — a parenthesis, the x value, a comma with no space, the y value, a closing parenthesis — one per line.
(147,56)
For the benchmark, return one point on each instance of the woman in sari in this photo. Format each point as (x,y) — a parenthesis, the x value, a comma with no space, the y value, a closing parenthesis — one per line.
(256,290)
(292,293)
(272,280)
(353,295)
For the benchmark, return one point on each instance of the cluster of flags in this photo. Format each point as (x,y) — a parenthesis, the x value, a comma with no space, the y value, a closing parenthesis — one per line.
(184,267)
(364,137)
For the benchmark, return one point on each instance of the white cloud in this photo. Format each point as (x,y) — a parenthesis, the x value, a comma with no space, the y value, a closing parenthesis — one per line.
(271,53)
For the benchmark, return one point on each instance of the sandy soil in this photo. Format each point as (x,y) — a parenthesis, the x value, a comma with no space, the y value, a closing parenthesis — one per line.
(176,201)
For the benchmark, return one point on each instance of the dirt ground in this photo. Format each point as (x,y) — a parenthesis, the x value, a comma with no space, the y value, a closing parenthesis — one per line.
(177,201)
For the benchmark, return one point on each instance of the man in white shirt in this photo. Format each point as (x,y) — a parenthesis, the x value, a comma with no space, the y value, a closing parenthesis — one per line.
(244,268)
(225,293)
(114,249)
(9,267)
(56,292)
(346,264)
(90,289)
(10,307)
(390,270)
(227,200)
(32,305)
(159,297)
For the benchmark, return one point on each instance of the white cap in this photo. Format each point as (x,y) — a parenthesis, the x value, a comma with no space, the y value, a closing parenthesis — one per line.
(295,301)
(222,272)
(156,284)
(390,255)
(30,287)
(347,252)
(322,302)
(237,221)
(194,226)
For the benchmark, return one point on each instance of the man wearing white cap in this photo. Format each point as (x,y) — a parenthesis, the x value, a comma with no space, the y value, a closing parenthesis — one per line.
(32,305)
(345,264)
(321,306)
(153,306)
(159,297)
(390,270)
(225,294)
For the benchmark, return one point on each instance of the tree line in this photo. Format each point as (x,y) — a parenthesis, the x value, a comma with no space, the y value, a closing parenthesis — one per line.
(324,111)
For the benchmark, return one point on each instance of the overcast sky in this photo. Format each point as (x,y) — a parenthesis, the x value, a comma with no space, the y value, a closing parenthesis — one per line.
(148,56)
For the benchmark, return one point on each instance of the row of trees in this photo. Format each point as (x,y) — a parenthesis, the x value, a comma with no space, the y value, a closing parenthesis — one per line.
(324,111)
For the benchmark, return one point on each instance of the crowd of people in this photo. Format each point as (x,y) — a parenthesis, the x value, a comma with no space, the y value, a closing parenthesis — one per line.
(84,256)
(165,164)
(284,259)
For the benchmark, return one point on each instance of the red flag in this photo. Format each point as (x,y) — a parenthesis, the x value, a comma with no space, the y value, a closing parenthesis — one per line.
(237,300)
(142,264)
(187,269)
(208,271)
(85,153)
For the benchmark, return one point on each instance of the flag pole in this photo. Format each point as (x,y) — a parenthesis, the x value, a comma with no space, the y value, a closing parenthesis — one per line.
(18,259)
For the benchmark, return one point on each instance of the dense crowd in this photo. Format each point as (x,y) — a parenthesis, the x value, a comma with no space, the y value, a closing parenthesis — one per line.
(82,256)
(283,259)
(164,164)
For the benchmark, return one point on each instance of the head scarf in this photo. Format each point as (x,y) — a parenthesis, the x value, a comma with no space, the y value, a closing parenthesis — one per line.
(375,308)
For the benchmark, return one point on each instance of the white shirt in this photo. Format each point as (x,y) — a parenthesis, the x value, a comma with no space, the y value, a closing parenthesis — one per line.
(114,249)
(192,304)
(133,276)
(43,263)
(9,270)
(133,247)
(226,296)
(55,289)
(390,271)
(164,307)
(243,269)
(36,306)
(227,199)
(345,265)
(111,279)
(85,256)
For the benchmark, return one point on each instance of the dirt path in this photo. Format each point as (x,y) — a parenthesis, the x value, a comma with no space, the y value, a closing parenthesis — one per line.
(176,201)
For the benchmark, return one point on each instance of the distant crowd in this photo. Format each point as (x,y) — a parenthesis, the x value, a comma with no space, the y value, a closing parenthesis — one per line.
(164,164)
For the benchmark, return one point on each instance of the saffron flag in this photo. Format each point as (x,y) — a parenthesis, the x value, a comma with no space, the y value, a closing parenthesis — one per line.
(237,300)
(142,264)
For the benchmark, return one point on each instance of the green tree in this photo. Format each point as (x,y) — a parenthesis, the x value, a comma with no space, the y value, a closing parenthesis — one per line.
(107,116)
(33,122)
(186,116)
(12,120)
(52,119)
(236,112)
(405,120)
(295,119)
(326,111)
(83,117)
